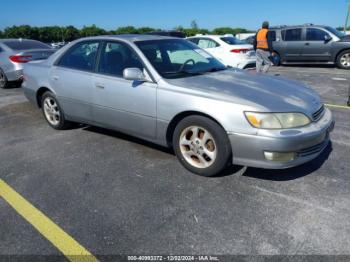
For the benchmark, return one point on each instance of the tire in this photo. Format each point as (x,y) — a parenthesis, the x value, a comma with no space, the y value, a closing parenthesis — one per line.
(343,60)
(201,145)
(53,112)
(3,80)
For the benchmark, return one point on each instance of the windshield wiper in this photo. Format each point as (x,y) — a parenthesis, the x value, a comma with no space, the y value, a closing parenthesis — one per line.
(180,72)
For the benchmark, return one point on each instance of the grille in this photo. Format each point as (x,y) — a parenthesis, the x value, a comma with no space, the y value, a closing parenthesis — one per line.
(318,114)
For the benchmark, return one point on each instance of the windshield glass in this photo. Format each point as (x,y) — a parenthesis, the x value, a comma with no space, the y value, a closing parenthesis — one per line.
(335,32)
(26,44)
(232,40)
(176,58)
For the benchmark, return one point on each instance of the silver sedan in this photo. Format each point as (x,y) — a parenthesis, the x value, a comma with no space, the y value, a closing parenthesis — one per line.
(14,53)
(170,92)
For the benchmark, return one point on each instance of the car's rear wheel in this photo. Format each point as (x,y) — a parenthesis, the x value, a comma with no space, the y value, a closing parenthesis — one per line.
(201,145)
(343,60)
(3,79)
(53,112)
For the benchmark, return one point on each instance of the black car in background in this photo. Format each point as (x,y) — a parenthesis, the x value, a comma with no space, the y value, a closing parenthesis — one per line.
(311,44)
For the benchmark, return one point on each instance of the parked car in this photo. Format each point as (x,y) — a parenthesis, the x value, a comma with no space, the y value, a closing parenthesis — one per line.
(172,93)
(227,49)
(249,40)
(312,44)
(172,33)
(14,53)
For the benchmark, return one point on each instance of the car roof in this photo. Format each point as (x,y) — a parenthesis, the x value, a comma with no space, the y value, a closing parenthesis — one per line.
(293,26)
(131,37)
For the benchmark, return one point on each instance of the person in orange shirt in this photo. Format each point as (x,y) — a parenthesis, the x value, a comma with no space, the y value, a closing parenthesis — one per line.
(263,48)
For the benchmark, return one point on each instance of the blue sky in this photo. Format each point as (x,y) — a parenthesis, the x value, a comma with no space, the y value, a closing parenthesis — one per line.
(167,14)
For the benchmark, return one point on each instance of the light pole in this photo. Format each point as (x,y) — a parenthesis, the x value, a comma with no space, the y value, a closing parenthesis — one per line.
(347,18)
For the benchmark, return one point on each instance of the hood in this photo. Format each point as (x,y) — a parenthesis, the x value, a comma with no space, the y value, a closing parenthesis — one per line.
(345,38)
(264,92)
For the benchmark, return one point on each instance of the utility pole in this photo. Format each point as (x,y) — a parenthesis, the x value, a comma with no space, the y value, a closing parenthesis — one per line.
(346,19)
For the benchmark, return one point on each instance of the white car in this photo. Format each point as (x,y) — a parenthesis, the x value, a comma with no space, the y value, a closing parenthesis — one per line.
(228,49)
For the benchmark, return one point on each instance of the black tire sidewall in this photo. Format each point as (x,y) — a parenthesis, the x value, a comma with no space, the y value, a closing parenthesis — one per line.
(6,81)
(63,124)
(339,65)
(221,140)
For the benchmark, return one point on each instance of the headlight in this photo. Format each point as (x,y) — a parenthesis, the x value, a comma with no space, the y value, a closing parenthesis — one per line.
(277,120)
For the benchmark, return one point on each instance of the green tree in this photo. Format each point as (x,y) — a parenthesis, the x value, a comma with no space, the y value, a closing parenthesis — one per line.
(70,33)
(22,31)
(143,30)
(92,30)
(126,30)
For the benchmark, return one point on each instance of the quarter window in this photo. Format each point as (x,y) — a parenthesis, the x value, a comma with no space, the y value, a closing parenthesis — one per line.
(116,57)
(292,34)
(82,56)
(314,34)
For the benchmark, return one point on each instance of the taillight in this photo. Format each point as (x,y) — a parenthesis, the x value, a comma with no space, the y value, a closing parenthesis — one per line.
(240,50)
(20,58)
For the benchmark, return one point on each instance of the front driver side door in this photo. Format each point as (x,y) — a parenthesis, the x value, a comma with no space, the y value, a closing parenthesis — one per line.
(121,104)
(317,48)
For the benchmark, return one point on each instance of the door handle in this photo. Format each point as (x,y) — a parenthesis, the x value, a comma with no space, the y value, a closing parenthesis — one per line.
(55,78)
(99,85)
(307,43)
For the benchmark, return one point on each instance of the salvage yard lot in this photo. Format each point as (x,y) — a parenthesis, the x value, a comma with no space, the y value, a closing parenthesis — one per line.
(115,194)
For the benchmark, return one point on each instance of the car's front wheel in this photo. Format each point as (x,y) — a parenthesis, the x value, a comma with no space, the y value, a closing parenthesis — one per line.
(201,145)
(343,60)
(53,112)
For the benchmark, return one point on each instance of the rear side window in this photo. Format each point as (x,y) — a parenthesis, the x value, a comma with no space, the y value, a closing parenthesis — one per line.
(82,56)
(26,44)
(231,40)
(207,43)
(194,40)
(292,34)
(314,34)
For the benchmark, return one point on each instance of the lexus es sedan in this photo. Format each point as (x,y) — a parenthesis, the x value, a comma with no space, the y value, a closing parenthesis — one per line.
(14,53)
(170,92)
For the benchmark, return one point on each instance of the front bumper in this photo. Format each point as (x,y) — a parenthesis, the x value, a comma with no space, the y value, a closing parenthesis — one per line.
(306,143)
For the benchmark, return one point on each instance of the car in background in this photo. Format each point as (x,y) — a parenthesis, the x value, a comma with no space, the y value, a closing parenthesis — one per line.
(14,53)
(227,49)
(170,92)
(58,45)
(172,33)
(311,44)
(249,40)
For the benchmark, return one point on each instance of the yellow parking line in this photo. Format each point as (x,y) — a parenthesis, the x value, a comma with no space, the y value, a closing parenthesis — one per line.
(337,106)
(60,239)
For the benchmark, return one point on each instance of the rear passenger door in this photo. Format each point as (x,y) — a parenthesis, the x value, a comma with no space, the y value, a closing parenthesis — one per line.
(317,47)
(71,79)
(293,44)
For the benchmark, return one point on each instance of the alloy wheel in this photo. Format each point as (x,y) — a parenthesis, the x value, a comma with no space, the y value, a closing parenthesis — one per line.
(345,60)
(51,110)
(198,147)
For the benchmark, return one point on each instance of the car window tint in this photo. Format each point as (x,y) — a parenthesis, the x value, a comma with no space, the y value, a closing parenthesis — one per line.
(314,34)
(232,40)
(25,44)
(292,34)
(207,43)
(82,56)
(115,57)
(194,40)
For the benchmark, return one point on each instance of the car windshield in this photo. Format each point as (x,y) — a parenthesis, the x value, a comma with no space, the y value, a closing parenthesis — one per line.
(25,44)
(232,40)
(335,32)
(177,58)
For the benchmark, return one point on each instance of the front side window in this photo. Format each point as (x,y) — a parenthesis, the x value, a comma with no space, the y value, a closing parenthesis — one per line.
(178,58)
(292,34)
(115,57)
(82,56)
(314,34)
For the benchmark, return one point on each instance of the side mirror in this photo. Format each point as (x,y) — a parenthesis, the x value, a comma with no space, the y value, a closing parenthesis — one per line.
(134,74)
(327,38)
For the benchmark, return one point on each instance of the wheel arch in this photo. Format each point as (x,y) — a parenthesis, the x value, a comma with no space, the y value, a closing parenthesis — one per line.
(176,119)
(339,52)
(40,93)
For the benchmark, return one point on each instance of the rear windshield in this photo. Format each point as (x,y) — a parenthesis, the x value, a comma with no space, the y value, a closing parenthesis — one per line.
(232,41)
(25,44)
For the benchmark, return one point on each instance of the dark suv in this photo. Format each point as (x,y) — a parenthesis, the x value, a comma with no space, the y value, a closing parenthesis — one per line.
(306,44)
